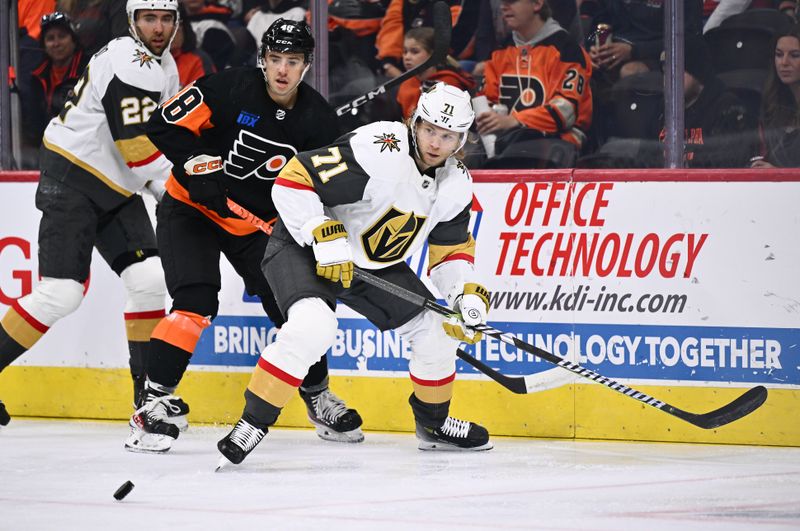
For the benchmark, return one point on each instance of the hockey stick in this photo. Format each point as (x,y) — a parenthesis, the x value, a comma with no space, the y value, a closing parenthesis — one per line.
(740,407)
(744,405)
(441,44)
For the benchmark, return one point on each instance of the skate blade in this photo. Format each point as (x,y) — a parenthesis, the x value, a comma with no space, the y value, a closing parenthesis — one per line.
(149,443)
(352,436)
(223,462)
(429,446)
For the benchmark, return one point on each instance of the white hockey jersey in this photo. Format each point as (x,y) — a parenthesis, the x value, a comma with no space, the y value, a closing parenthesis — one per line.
(369,181)
(101,128)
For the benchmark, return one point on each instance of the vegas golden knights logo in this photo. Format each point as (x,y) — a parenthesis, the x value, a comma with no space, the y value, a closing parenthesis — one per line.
(391,236)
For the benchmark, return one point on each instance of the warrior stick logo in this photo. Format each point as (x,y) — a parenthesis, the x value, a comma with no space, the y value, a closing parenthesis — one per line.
(255,155)
(390,238)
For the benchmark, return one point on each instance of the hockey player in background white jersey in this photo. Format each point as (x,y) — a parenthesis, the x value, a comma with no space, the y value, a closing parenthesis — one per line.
(373,198)
(94,160)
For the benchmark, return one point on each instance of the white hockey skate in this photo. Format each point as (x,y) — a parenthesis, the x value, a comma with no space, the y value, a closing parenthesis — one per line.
(331,417)
(151,430)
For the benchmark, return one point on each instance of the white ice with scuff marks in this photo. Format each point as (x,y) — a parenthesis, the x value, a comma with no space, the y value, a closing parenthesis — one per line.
(62,474)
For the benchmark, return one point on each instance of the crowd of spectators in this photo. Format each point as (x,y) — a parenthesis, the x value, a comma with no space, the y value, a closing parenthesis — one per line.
(569,83)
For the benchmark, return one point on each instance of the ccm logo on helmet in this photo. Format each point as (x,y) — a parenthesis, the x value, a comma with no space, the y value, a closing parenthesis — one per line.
(207,167)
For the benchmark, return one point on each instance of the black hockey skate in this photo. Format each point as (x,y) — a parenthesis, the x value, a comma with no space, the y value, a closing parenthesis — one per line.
(5,418)
(240,441)
(454,435)
(151,428)
(331,417)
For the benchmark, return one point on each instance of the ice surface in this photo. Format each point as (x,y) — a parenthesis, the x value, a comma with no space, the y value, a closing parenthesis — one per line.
(62,474)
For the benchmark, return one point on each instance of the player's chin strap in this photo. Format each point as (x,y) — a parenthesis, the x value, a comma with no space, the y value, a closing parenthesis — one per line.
(135,35)
(263,67)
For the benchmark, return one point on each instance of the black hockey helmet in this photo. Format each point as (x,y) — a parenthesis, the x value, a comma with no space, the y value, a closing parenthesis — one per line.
(288,36)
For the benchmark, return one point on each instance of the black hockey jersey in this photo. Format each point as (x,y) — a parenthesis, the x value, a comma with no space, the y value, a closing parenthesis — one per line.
(230,114)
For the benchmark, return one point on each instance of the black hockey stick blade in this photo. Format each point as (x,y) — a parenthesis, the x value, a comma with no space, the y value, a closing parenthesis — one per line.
(742,406)
(514,384)
(442,28)
(735,410)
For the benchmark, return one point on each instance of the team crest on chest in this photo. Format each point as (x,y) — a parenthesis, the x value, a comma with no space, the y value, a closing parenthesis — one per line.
(387,141)
(253,155)
(142,58)
(389,238)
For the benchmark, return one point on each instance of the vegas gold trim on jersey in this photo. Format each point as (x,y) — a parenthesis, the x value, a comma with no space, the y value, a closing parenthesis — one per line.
(134,150)
(390,238)
(140,329)
(294,171)
(84,166)
(439,253)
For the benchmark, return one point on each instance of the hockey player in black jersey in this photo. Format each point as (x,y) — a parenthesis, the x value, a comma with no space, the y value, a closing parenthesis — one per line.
(228,135)
(95,161)
(373,198)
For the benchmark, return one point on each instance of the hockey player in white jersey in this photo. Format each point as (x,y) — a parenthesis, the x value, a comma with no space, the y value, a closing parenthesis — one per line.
(95,159)
(373,198)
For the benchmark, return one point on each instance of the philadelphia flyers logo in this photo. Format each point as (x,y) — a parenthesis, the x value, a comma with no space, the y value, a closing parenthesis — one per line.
(521,92)
(255,155)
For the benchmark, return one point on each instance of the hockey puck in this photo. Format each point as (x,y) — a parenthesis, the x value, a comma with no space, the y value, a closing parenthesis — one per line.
(123,491)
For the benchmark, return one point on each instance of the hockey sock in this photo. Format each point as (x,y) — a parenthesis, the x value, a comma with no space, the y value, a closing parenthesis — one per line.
(258,411)
(167,363)
(317,378)
(10,350)
(139,354)
(427,414)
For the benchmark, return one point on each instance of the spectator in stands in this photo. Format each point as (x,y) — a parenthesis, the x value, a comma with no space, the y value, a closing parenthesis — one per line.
(30,53)
(637,34)
(780,109)
(96,21)
(715,11)
(719,130)
(542,76)
(259,18)
(417,48)
(401,16)
(55,77)
(192,62)
(209,22)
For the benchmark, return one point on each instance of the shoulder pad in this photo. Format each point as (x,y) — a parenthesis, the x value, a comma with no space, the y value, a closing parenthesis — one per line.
(134,65)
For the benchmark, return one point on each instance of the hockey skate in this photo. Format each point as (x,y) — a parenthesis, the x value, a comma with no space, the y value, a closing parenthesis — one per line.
(454,435)
(151,429)
(5,418)
(177,410)
(332,418)
(240,442)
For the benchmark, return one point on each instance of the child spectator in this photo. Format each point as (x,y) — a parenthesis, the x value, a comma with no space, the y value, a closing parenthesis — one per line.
(417,48)
(192,62)
(401,16)
(780,108)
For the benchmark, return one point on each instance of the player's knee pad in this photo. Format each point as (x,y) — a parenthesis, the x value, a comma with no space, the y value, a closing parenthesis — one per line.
(181,329)
(53,299)
(309,332)
(433,352)
(144,282)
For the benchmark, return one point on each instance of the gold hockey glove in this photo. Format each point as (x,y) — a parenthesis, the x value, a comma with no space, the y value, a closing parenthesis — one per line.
(332,252)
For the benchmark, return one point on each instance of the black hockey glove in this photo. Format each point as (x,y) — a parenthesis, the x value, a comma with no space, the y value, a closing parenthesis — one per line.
(204,178)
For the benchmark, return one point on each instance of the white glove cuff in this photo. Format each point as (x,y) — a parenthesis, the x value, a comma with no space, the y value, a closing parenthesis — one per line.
(333,252)
(309,226)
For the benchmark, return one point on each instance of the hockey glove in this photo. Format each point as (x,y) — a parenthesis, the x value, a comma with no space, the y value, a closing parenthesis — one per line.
(205,175)
(332,252)
(473,305)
